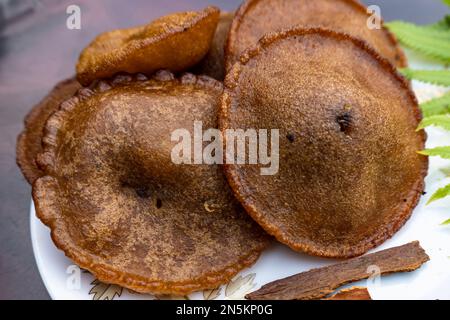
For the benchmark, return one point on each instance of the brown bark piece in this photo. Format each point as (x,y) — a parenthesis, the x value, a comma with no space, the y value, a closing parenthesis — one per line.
(353,293)
(317,283)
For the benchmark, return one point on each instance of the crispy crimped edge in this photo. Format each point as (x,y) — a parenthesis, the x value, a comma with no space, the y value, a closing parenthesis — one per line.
(84,62)
(46,201)
(230,48)
(30,170)
(389,229)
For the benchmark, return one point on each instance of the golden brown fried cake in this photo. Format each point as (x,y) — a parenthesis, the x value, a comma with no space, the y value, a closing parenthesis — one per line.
(119,207)
(349,173)
(255,18)
(176,42)
(213,64)
(29,142)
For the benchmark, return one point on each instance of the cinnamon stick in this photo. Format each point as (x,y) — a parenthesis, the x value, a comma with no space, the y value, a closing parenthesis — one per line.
(320,282)
(353,293)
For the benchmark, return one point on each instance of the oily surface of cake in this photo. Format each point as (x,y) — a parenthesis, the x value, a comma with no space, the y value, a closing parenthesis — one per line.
(255,18)
(119,207)
(349,173)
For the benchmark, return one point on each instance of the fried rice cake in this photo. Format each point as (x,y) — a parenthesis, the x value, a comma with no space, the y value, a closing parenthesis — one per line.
(254,18)
(349,172)
(119,207)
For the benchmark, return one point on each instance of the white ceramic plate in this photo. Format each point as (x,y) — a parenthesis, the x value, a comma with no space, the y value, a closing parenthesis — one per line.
(431,281)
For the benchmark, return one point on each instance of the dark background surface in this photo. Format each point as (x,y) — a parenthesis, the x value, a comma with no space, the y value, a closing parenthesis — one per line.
(36,51)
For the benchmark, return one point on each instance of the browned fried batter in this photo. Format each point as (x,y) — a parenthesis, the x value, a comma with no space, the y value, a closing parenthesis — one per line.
(317,283)
(213,64)
(175,42)
(29,142)
(349,173)
(119,207)
(255,18)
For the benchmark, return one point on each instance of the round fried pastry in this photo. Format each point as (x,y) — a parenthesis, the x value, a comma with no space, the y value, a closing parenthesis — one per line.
(255,18)
(175,42)
(349,173)
(119,207)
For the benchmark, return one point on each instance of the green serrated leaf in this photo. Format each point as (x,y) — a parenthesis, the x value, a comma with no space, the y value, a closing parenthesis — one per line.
(446,222)
(437,77)
(432,42)
(436,106)
(443,24)
(445,171)
(443,152)
(440,193)
(442,121)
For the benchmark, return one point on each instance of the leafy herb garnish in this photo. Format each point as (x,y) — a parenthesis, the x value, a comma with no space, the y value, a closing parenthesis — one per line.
(443,24)
(443,152)
(437,77)
(433,42)
(436,106)
(439,194)
(442,121)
